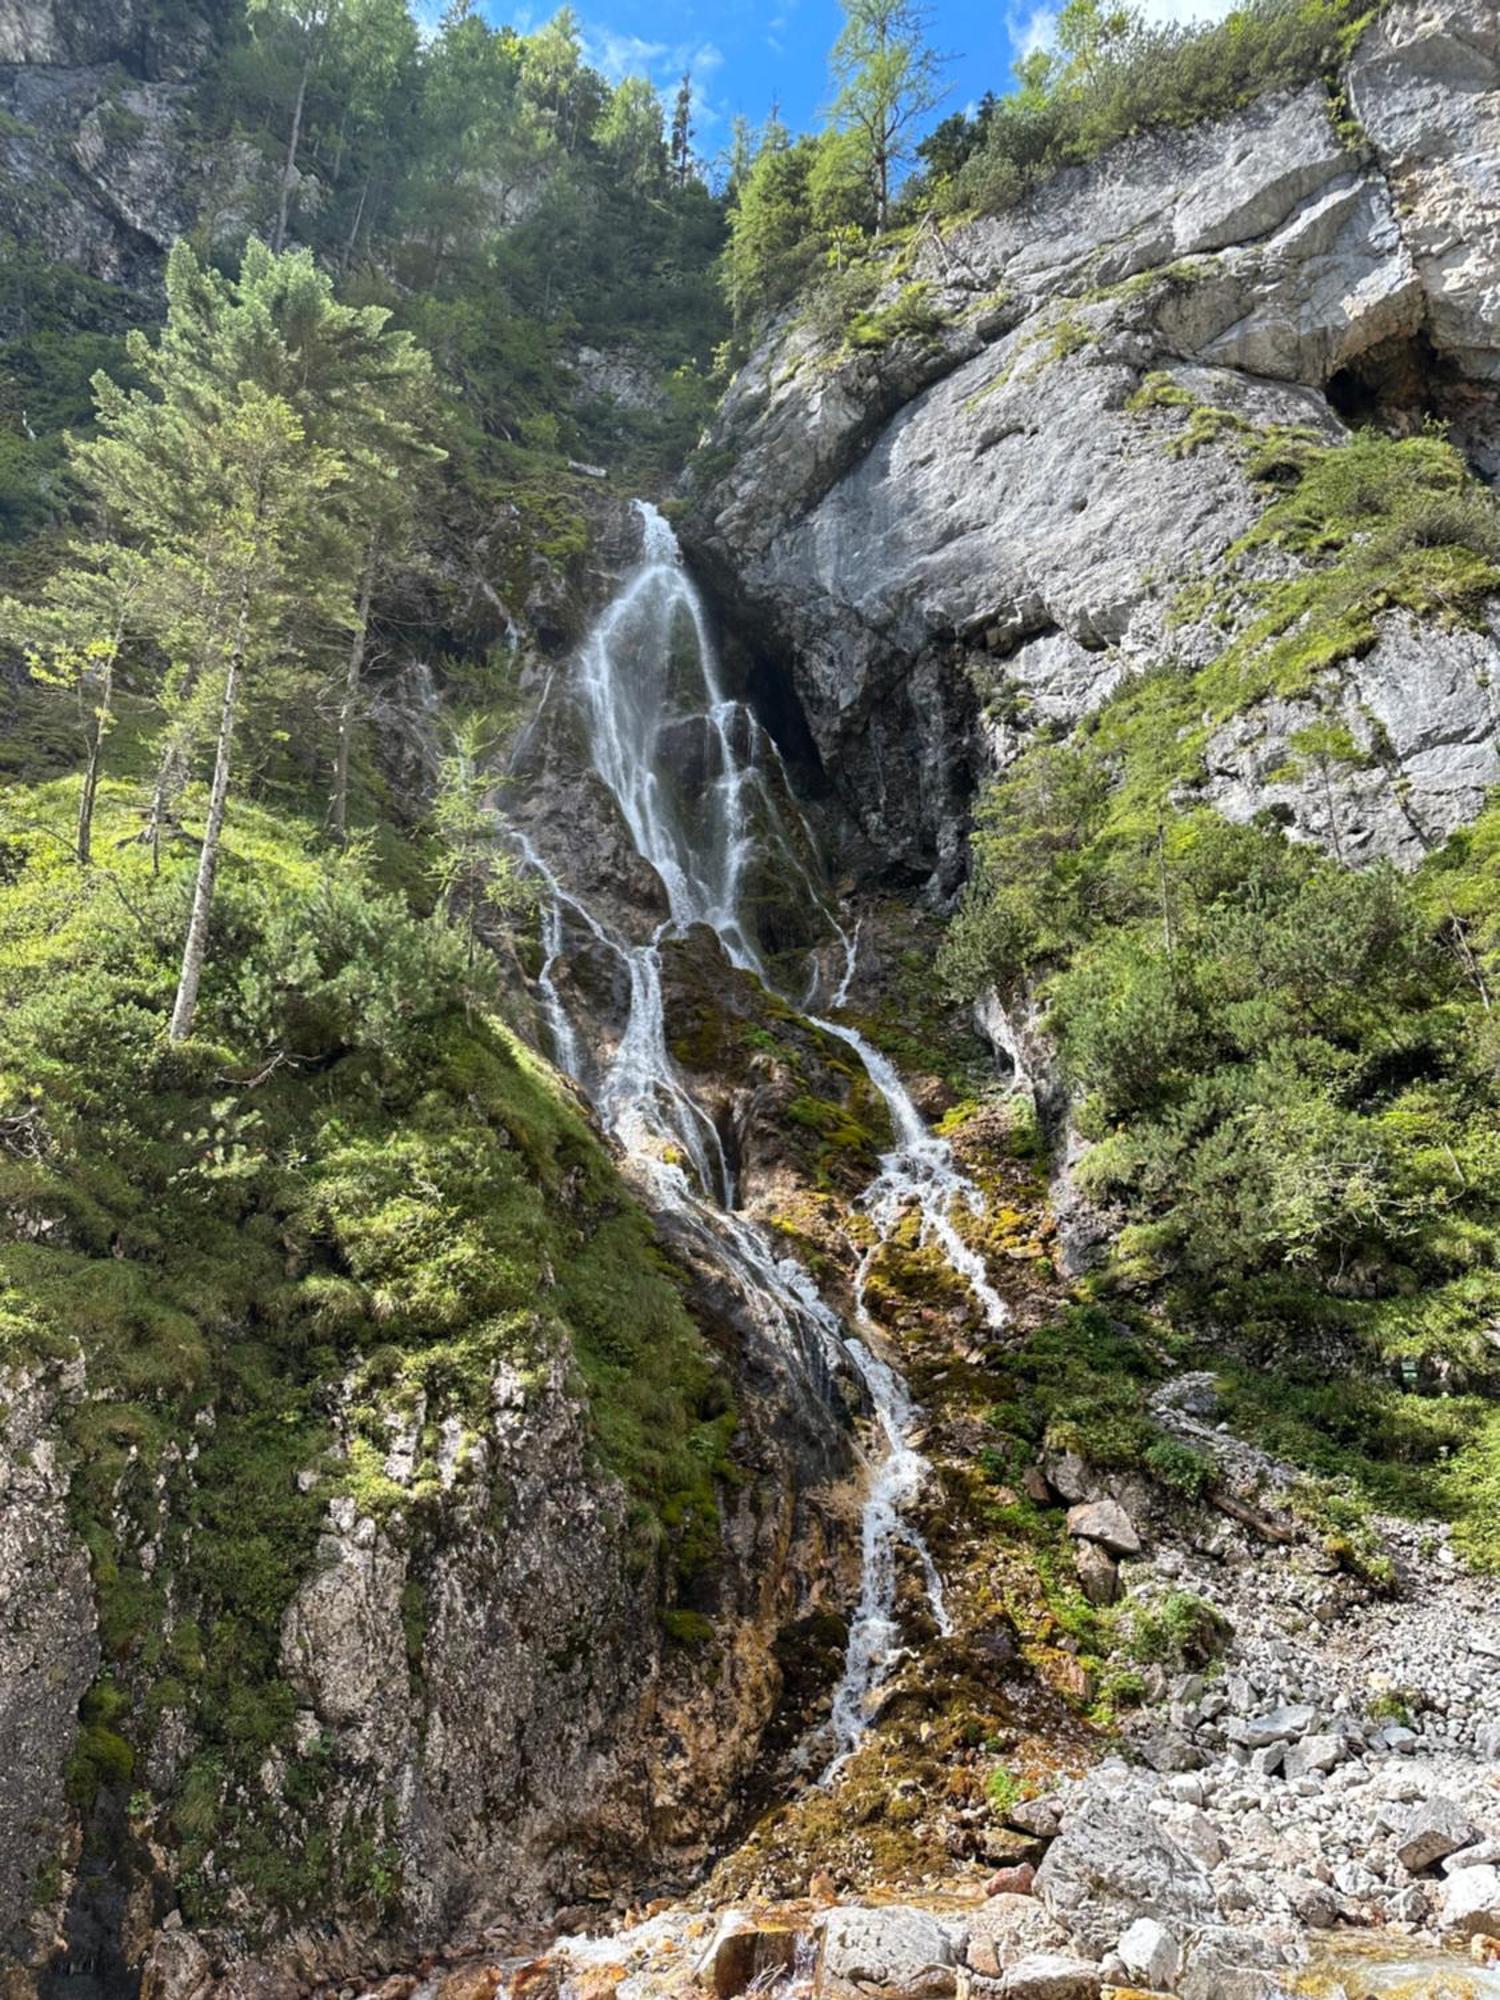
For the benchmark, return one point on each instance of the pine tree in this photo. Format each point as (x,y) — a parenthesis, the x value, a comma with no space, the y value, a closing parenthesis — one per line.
(682,132)
(475,874)
(93,608)
(248,476)
(887,80)
(740,156)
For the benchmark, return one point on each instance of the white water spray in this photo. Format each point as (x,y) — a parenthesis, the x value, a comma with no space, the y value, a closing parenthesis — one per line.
(691,772)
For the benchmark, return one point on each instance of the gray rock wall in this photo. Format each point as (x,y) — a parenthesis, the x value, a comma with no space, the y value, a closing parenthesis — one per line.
(894,527)
(49,1654)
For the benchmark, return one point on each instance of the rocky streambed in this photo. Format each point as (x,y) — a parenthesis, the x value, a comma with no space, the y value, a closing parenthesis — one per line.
(1317,1813)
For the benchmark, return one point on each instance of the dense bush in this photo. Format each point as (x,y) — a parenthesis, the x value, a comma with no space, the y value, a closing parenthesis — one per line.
(1117,74)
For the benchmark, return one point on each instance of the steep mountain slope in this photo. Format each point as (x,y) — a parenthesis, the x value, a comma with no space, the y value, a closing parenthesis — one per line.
(1028,493)
(442,1495)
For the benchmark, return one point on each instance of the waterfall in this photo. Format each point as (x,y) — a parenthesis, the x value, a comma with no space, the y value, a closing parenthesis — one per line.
(700,787)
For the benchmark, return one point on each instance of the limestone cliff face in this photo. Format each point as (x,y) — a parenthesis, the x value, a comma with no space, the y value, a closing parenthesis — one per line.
(49,1652)
(983,503)
(491,1719)
(98,165)
(148,40)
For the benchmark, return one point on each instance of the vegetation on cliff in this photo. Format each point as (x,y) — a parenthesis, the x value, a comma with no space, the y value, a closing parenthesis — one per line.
(1288,1068)
(813,212)
(351,1192)
(275,1170)
(494,192)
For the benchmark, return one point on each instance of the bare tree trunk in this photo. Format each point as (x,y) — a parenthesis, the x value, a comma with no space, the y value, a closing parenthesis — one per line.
(338,818)
(169,779)
(1333,811)
(96,755)
(359,216)
(184,1006)
(289,171)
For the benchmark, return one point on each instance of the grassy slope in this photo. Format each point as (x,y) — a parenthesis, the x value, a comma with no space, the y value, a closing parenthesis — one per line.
(353,1170)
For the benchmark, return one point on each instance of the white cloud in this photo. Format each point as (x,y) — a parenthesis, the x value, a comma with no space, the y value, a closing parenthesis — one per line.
(1037,29)
(619,56)
(665,63)
(1185,10)
(1033,31)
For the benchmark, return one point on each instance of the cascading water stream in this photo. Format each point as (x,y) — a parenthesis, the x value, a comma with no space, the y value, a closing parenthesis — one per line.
(658,719)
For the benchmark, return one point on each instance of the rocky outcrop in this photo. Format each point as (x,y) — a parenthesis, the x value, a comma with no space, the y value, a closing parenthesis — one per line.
(960,538)
(1421,709)
(96,172)
(49,1653)
(100,168)
(487,1681)
(1425,85)
(489,1707)
(150,41)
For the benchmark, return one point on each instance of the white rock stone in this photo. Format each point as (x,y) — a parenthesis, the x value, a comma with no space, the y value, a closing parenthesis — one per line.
(1469,1903)
(908,1950)
(1151,1955)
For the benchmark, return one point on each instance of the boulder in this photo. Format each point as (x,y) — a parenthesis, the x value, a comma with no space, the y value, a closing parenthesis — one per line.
(1049,1976)
(1008,1927)
(1224,1964)
(743,1953)
(1434,1829)
(1313,1903)
(1069,1476)
(1017,1881)
(1041,1817)
(1196,1833)
(1113,1863)
(176,1968)
(1045,1976)
(1313,1753)
(1483,1854)
(1170,1750)
(1151,1955)
(897,1950)
(1107,1523)
(1276,1725)
(1469,1905)
(1098,1578)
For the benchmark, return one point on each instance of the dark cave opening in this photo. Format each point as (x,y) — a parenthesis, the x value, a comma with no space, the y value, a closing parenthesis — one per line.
(1397,384)
(778,709)
(1404,383)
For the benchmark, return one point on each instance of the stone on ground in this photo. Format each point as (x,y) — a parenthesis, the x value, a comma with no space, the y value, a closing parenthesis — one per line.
(1470,1905)
(1112,1863)
(897,1951)
(1435,1829)
(1107,1523)
(1150,1954)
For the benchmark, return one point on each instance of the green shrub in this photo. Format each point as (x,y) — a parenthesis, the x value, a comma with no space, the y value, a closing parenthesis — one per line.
(1179,1630)
(356,1174)
(1117,74)
(1177,1465)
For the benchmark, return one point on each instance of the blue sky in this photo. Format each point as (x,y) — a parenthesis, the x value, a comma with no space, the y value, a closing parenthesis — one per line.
(746,55)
